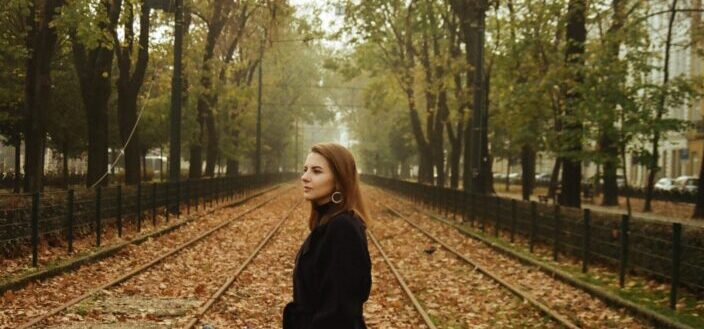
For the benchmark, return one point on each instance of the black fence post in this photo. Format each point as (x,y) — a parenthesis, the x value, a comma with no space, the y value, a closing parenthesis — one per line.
(586,239)
(676,259)
(533,224)
(69,220)
(119,211)
(98,223)
(513,218)
(556,236)
(139,207)
(623,262)
(153,204)
(35,228)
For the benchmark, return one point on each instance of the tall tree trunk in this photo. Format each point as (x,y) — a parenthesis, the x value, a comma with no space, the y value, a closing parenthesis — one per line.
(479,161)
(653,165)
(608,139)
(144,163)
(610,149)
(507,180)
(467,24)
(455,139)
(233,167)
(698,44)
(571,137)
(94,68)
(64,156)
(18,168)
(194,169)
(129,83)
(528,171)
(554,178)
(466,165)
(212,149)
(206,99)
(41,41)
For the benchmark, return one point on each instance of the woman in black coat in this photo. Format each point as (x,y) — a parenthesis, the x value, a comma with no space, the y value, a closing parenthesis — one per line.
(332,273)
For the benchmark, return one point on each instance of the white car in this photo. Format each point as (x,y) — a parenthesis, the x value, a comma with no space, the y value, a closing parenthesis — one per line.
(686,184)
(665,184)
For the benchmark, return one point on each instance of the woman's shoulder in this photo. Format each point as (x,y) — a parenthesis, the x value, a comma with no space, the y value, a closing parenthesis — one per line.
(346,220)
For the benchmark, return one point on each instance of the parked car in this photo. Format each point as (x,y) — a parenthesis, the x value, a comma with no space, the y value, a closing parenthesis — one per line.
(665,184)
(542,178)
(686,184)
(514,177)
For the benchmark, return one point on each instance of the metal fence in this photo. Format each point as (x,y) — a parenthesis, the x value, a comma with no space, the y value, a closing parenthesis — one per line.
(671,252)
(31,217)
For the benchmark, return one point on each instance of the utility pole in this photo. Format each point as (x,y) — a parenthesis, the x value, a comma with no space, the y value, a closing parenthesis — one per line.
(479,147)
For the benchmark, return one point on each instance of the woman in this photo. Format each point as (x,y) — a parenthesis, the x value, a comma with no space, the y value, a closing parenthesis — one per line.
(332,275)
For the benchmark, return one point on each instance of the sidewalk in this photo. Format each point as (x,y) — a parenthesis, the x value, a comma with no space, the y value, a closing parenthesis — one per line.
(663,212)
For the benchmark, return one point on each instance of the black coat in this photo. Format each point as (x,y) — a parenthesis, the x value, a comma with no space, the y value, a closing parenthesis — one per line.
(332,277)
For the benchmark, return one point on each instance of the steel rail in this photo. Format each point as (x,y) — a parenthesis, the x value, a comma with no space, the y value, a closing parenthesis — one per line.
(231,280)
(423,313)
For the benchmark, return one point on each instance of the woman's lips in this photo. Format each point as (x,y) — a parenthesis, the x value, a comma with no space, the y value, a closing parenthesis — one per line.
(306,189)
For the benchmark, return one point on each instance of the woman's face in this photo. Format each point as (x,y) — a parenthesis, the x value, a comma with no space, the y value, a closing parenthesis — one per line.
(318,179)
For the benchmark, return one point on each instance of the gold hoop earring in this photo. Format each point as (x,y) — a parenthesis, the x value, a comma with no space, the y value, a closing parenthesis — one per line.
(332,197)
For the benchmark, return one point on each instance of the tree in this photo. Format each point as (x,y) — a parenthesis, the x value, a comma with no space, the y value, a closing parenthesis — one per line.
(571,135)
(67,137)
(91,30)
(41,45)
(13,53)
(132,60)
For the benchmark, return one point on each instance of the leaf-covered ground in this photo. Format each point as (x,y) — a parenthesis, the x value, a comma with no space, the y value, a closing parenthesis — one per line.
(166,295)
(258,297)
(580,307)
(19,306)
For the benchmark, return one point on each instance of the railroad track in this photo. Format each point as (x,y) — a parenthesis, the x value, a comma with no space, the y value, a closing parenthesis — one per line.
(151,264)
(515,290)
(577,305)
(404,286)
(208,304)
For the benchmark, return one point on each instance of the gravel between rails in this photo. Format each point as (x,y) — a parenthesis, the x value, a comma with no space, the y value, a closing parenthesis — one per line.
(37,298)
(453,294)
(580,307)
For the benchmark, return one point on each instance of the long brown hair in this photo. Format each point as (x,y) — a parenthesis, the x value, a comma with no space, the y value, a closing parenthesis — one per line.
(344,170)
